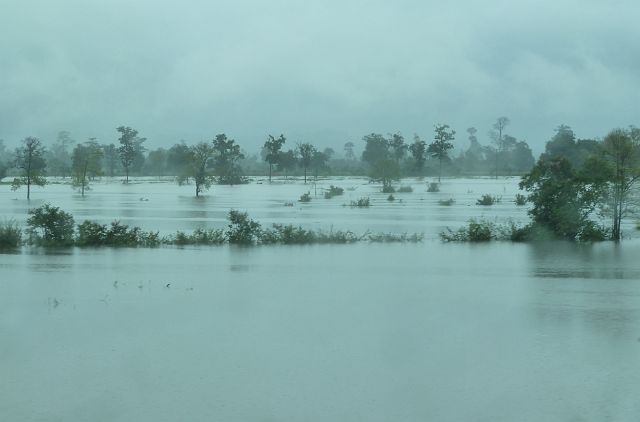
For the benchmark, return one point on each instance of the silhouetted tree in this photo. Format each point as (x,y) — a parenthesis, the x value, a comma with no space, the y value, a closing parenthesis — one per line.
(441,145)
(348,151)
(85,162)
(272,148)
(226,160)
(419,152)
(197,168)
(496,134)
(306,151)
(30,162)
(130,148)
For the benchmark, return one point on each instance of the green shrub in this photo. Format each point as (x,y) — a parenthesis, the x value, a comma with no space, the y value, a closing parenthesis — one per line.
(388,189)
(91,233)
(306,197)
(10,234)
(361,203)
(433,187)
(446,202)
(476,231)
(487,200)
(121,235)
(520,199)
(395,238)
(50,226)
(333,191)
(391,198)
(405,189)
(242,230)
(591,232)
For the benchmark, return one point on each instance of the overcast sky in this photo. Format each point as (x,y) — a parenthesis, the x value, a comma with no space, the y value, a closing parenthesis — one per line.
(326,71)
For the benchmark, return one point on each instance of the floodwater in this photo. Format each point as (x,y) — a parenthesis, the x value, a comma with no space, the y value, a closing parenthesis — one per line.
(370,332)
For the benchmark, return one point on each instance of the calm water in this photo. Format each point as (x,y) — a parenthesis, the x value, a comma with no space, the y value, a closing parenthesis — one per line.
(426,332)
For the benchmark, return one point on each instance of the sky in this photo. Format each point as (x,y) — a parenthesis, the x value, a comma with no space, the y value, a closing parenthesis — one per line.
(325,72)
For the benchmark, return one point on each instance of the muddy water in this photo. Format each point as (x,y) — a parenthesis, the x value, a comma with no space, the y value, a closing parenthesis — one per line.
(442,332)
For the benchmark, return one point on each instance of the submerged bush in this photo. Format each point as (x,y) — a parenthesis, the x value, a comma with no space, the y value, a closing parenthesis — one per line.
(200,236)
(50,226)
(394,237)
(433,187)
(333,191)
(91,233)
(306,197)
(242,230)
(475,231)
(297,235)
(362,203)
(520,199)
(388,189)
(405,189)
(446,202)
(10,234)
(391,198)
(487,200)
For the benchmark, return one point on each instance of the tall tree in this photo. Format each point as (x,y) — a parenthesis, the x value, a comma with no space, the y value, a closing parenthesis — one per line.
(319,161)
(85,163)
(348,151)
(287,161)
(622,153)
(397,147)
(130,148)
(441,145)
(272,149)
(226,160)
(110,158)
(376,148)
(198,167)
(305,151)
(418,151)
(496,134)
(58,156)
(30,162)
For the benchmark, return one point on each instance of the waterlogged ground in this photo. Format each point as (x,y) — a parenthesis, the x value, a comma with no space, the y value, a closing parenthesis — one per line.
(372,332)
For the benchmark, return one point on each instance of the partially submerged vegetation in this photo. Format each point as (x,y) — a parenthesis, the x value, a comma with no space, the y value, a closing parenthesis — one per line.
(49,226)
(333,191)
(361,203)
(488,200)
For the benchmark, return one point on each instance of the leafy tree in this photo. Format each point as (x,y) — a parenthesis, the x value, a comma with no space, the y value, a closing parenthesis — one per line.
(385,171)
(85,162)
(110,158)
(50,226)
(178,159)
(30,162)
(318,162)
(226,160)
(441,145)
(200,155)
(348,151)
(306,151)
(241,229)
(496,134)
(418,151)
(376,148)
(156,162)
(58,157)
(397,147)
(287,161)
(272,151)
(329,152)
(622,157)
(131,150)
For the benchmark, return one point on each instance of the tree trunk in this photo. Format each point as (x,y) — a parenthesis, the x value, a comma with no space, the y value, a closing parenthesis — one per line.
(305,175)
(270,165)
(439,169)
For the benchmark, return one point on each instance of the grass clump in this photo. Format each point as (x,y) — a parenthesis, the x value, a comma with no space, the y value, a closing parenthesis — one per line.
(361,203)
(10,235)
(305,197)
(487,200)
(446,202)
(405,189)
(333,191)
(520,199)
(433,187)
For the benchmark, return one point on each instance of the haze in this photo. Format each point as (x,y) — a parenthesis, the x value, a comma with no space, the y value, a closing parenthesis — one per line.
(323,72)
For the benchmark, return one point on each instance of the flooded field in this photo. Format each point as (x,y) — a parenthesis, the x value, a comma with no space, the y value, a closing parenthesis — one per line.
(371,332)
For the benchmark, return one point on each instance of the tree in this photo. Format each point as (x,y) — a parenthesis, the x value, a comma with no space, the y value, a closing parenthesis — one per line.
(50,226)
(376,148)
(199,156)
(85,162)
(348,151)
(306,151)
(178,159)
(318,162)
(156,162)
(130,149)
(287,161)
(385,171)
(418,151)
(110,157)
(58,157)
(397,147)
(272,148)
(30,162)
(226,160)
(441,145)
(622,154)
(497,135)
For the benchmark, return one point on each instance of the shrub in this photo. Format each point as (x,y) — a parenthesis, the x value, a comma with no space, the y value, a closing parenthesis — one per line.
(361,203)
(520,199)
(446,202)
(591,232)
(121,235)
(487,200)
(476,231)
(391,198)
(10,234)
(50,226)
(306,197)
(242,230)
(333,191)
(91,234)
(388,189)
(405,189)
(392,237)
(433,187)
